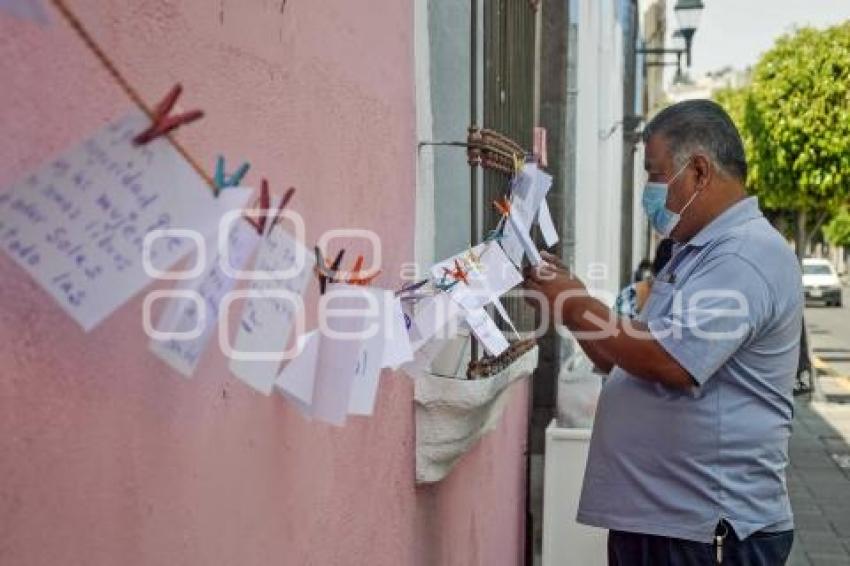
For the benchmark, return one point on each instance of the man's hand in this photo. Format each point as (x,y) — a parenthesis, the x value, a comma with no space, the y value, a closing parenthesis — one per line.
(552,278)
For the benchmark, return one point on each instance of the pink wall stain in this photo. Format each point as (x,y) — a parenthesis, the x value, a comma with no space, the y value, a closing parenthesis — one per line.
(107,456)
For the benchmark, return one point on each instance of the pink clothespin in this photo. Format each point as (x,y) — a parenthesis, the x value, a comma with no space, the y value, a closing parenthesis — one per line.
(540,146)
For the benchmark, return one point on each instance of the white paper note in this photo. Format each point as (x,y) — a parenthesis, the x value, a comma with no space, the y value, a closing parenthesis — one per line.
(490,274)
(528,195)
(181,315)
(435,317)
(271,309)
(367,370)
(500,308)
(339,353)
(297,379)
(522,233)
(485,329)
(397,349)
(78,225)
(547,226)
(336,375)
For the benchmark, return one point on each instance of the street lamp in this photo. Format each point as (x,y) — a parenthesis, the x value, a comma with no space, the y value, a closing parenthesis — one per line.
(678,42)
(688,14)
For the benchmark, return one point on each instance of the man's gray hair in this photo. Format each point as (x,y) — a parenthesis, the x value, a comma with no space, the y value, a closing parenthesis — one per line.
(695,126)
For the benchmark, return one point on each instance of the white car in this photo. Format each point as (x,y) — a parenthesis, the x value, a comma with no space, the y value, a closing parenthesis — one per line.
(821,282)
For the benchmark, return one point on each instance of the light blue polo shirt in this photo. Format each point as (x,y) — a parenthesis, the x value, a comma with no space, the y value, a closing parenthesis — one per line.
(728,307)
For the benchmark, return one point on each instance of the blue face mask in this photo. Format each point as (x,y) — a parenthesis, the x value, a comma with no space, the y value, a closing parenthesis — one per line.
(654,203)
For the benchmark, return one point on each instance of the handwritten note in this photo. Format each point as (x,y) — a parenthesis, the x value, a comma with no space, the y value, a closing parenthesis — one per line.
(182,315)
(272,308)
(78,224)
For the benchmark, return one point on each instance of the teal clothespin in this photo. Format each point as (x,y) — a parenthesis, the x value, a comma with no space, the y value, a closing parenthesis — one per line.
(443,284)
(222,181)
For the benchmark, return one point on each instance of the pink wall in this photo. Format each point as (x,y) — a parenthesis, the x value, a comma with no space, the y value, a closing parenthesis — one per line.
(109,457)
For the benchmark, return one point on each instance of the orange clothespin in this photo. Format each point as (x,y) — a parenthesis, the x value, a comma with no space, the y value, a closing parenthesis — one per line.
(356,279)
(458,273)
(163,123)
(264,204)
(503,205)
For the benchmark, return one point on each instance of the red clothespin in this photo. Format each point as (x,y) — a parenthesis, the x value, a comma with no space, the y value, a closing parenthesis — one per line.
(162,122)
(458,273)
(264,204)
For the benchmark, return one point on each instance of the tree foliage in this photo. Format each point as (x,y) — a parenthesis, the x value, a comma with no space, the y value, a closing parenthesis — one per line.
(794,117)
(837,232)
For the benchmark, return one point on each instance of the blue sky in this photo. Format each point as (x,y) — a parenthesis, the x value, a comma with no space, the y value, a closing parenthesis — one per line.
(735,32)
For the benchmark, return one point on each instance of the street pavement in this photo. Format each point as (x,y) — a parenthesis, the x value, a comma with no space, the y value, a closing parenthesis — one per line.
(819,475)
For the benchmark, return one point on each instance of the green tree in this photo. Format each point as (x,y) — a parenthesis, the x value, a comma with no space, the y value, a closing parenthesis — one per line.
(795,120)
(837,232)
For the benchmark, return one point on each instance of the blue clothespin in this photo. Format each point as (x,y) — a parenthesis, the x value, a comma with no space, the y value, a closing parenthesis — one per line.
(222,181)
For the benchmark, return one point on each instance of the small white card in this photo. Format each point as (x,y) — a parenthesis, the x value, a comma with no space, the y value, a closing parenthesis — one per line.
(547,226)
(528,196)
(273,306)
(397,348)
(485,329)
(435,316)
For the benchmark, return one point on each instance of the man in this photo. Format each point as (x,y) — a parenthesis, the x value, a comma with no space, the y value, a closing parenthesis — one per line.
(689,449)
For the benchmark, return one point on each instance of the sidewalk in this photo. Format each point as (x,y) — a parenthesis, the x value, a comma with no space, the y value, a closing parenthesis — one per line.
(819,482)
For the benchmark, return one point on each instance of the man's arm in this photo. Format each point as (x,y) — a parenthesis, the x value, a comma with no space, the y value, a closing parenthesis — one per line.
(624,343)
(607,339)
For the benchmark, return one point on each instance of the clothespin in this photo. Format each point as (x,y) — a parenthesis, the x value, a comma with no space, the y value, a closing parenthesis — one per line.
(326,271)
(519,161)
(443,284)
(264,205)
(539,143)
(411,287)
(497,234)
(503,205)
(473,259)
(415,291)
(458,273)
(355,279)
(163,123)
(222,181)
(330,272)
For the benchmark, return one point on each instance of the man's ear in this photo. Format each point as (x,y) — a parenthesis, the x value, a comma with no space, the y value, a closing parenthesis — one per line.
(703,171)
